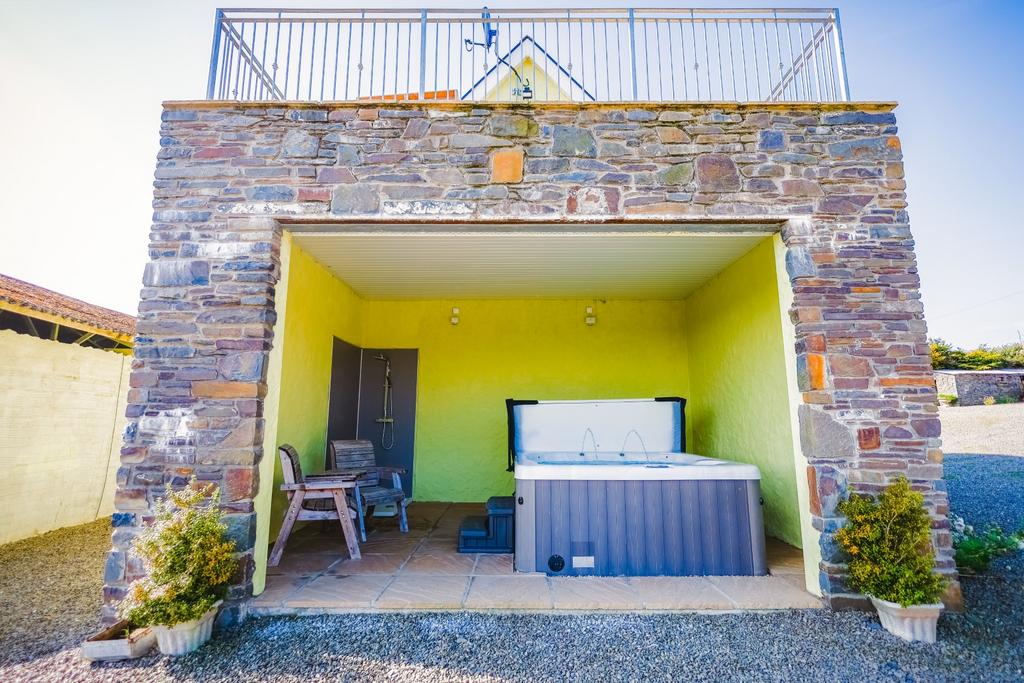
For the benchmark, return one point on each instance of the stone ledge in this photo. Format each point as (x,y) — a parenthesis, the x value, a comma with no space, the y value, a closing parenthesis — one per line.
(868,106)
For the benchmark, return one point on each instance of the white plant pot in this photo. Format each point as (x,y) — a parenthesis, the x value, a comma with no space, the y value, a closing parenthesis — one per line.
(187,636)
(916,622)
(109,646)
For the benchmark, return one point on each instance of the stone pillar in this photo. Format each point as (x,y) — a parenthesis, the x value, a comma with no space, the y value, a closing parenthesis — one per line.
(870,410)
(198,378)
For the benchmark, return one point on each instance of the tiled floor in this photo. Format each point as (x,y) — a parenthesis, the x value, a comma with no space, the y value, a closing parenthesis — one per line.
(422,570)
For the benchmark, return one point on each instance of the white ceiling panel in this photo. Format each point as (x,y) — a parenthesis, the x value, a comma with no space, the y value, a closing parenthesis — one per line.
(483,265)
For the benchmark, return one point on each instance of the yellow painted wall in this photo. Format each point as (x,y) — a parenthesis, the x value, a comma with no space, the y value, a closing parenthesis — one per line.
(722,349)
(536,349)
(320,308)
(501,348)
(740,405)
(810,536)
(313,308)
(62,411)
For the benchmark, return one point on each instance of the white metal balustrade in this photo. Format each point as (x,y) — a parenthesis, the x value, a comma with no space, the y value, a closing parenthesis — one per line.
(519,55)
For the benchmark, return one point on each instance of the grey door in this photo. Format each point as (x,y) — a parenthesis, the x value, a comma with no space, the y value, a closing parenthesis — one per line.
(343,407)
(404,364)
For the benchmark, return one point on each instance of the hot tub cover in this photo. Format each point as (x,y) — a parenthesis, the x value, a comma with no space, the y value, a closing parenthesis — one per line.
(645,425)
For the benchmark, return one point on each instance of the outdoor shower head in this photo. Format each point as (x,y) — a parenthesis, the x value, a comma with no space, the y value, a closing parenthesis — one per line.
(382,357)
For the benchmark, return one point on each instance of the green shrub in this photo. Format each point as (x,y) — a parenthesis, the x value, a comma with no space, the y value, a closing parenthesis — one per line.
(975,551)
(890,547)
(1004,399)
(948,399)
(945,356)
(188,560)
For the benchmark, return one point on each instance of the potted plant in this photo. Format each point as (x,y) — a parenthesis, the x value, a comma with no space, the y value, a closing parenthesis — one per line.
(119,641)
(188,562)
(892,560)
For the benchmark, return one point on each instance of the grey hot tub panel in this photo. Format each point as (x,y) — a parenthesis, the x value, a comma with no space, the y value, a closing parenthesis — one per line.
(639,528)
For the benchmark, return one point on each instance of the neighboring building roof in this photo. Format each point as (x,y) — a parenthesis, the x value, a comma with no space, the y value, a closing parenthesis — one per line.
(997,371)
(25,295)
(537,48)
(401,97)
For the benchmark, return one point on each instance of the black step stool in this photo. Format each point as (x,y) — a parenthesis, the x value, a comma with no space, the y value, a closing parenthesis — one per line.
(493,533)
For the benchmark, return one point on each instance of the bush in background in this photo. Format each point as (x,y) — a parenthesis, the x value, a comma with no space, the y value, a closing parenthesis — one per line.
(945,356)
(974,551)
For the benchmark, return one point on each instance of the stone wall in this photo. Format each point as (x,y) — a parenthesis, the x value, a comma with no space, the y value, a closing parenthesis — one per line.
(972,388)
(830,175)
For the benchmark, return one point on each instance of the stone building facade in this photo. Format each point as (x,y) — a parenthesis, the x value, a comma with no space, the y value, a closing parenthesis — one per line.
(231,177)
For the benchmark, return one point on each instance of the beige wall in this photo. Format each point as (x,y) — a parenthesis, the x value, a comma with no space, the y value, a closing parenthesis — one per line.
(61,417)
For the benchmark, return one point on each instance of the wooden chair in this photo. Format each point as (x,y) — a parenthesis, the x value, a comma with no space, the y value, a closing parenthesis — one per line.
(357,457)
(317,497)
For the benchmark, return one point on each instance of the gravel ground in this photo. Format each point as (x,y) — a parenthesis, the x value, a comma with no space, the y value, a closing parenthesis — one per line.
(53,583)
(986,643)
(782,646)
(987,489)
(997,429)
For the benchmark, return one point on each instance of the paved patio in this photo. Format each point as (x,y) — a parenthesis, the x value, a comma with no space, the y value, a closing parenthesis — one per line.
(422,570)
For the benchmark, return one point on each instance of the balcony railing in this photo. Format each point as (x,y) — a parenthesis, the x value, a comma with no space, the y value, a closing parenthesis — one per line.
(513,55)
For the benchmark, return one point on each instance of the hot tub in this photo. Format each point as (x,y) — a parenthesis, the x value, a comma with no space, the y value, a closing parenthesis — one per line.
(605,488)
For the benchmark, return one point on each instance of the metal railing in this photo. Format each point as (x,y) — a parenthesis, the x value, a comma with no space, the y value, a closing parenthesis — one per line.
(513,55)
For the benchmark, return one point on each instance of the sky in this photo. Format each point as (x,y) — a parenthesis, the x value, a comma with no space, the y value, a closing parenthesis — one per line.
(81,86)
